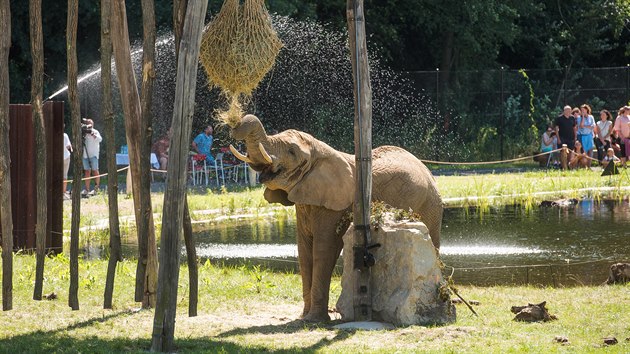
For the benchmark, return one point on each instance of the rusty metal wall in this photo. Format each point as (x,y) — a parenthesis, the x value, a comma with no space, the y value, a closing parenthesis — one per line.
(23,195)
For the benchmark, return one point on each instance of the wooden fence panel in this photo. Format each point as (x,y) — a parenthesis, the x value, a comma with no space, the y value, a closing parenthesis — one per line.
(23,196)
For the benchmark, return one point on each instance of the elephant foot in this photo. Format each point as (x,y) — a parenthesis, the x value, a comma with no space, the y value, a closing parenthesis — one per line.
(316,317)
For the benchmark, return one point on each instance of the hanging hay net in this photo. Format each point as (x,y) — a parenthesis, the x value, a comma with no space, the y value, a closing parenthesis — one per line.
(238,48)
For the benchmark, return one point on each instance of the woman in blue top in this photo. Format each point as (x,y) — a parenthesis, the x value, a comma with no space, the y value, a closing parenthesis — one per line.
(203,143)
(586,125)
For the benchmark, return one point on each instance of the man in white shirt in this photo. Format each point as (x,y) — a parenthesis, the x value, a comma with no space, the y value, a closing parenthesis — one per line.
(91,149)
(67,149)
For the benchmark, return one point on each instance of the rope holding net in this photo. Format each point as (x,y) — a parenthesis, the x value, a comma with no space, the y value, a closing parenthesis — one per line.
(239,46)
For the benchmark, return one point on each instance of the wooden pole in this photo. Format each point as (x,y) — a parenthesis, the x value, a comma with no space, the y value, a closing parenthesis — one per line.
(179,10)
(164,321)
(75,118)
(148,78)
(112,179)
(37,87)
(145,282)
(362,301)
(193,269)
(6,216)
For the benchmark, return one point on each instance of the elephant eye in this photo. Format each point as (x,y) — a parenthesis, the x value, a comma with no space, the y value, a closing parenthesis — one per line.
(292,151)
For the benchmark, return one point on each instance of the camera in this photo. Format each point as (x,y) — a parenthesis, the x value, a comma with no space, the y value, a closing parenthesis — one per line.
(86,127)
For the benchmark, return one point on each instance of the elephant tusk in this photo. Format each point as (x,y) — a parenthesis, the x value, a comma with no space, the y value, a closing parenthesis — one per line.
(240,156)
(264,153)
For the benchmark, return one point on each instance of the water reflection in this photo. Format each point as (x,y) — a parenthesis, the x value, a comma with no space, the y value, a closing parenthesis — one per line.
(502,245)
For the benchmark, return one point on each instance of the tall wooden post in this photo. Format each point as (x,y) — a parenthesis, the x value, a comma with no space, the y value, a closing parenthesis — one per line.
(363,154)
(146,273)
(173,213)
(112,181)
(77,137)
(179,11)
(37,86)
(6,216)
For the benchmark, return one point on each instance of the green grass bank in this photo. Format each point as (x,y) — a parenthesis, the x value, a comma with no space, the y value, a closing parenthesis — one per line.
(248,309)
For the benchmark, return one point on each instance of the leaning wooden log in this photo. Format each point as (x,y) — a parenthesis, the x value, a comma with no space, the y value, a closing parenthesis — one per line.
(175,194)
(146,282)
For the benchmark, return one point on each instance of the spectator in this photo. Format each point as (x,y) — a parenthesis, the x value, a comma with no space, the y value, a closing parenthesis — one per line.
(91,149)
(202,144)
(566,128)
(586,127)
(67,149)
(549,142)
(579,159)
(602,134)
(610,157)
(160,149)
(615,143)
(622,131)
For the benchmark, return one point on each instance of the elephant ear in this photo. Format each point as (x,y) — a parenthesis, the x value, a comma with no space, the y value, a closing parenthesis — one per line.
(329,183)
(277,196)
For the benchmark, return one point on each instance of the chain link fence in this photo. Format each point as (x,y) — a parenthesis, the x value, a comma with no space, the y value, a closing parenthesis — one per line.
(498,114)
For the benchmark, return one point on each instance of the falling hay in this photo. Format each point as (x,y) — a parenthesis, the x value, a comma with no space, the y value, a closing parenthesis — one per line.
(238,48)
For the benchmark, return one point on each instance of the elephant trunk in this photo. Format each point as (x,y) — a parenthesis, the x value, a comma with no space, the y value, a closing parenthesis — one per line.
(253,133)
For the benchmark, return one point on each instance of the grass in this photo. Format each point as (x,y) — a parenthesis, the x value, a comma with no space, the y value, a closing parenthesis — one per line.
(529,188)
(252,309)
(249,309)
(464,189)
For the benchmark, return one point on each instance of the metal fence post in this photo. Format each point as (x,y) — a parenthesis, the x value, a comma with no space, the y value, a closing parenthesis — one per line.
(627,99)
(501,127)
(437,90)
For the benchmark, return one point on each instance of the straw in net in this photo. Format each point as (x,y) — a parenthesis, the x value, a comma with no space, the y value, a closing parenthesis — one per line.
(238,48)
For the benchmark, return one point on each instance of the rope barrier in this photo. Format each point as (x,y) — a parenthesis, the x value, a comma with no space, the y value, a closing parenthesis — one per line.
(565,191)
(127,167)
(490,162)
(532,265)
(93,177)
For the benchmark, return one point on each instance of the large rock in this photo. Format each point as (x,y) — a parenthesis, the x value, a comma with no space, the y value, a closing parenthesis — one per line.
(406,282)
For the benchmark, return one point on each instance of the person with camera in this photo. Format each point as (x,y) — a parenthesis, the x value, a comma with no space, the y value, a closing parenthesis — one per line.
(549,142)
(91,149)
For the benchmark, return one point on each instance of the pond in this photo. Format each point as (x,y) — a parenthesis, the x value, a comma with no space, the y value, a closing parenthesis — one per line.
(560,246)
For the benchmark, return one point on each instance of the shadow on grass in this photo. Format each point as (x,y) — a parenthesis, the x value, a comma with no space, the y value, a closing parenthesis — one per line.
(58,341)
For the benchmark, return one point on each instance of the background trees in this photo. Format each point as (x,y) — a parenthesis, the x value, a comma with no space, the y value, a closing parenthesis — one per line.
(469,41)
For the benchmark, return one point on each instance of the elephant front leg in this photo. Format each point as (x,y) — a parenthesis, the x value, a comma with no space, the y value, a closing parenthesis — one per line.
(326,246)
(305,258)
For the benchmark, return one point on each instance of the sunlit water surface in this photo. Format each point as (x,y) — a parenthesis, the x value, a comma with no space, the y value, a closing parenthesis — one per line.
(504,245)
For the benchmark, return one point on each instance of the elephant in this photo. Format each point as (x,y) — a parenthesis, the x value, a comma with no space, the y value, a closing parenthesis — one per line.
(299,170)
